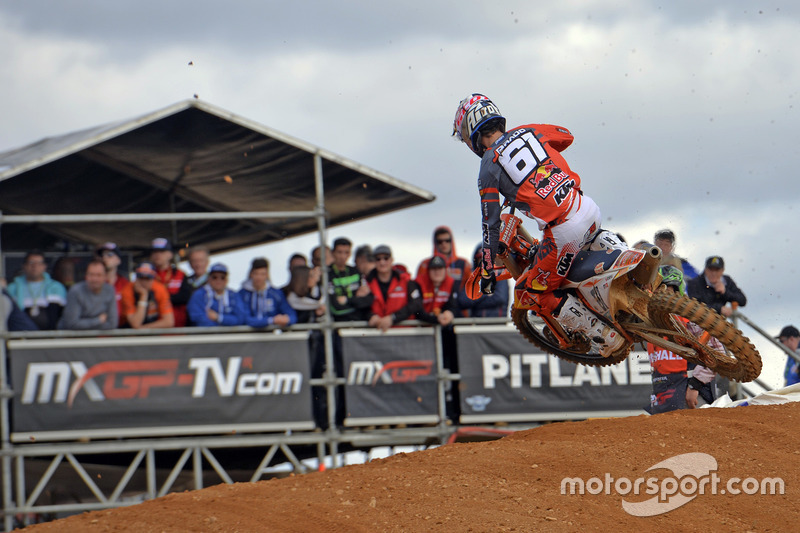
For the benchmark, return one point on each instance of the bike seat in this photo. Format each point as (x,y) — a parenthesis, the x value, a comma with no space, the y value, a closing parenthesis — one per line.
(590,263)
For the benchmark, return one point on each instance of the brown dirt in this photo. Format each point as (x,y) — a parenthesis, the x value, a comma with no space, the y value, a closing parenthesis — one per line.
(512,484)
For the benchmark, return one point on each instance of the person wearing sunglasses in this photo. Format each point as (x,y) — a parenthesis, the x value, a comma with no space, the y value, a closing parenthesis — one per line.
(397,296)
(214,304)
(444,246)
(145,302)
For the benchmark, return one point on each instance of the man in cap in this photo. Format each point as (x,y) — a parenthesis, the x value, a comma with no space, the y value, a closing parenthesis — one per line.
(716,289)
(396,296)
(145,302)
(173,278)
(790,338)
(109,254)
(214,304)
(439,293)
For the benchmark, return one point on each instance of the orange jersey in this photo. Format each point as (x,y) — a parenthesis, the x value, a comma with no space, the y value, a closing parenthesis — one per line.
(525,166)
(158,304)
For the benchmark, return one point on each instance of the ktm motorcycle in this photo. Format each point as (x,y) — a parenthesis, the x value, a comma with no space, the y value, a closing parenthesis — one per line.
(623,287)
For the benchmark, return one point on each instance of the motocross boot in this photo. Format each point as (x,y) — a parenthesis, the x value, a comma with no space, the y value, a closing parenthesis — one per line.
(576,317)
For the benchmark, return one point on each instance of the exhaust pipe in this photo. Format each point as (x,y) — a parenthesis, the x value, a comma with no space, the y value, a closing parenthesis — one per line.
(645,272)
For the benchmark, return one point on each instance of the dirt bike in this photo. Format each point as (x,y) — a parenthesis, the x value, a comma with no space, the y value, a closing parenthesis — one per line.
(622,286)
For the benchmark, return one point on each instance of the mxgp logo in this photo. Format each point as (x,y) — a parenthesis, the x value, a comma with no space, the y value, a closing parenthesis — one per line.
(370,372)
(125,380)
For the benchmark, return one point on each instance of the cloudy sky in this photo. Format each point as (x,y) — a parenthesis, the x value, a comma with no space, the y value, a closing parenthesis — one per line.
(684,113)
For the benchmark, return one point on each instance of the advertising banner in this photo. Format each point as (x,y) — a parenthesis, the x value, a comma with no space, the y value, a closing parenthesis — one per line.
(391,377)
(167,385)
(506,378)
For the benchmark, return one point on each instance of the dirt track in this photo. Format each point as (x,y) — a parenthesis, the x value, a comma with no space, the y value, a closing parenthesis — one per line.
(513,484)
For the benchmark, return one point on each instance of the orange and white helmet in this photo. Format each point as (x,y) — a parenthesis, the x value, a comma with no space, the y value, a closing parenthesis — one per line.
(474,112)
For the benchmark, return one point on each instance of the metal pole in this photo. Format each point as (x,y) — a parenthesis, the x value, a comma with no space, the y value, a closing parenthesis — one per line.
(150,217)
(5,395)
(440,382)
(327,330)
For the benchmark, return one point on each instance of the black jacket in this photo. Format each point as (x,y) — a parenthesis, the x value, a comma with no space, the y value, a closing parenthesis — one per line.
(698,288)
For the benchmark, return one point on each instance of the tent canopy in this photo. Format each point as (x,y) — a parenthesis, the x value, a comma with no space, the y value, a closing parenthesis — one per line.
(188,158)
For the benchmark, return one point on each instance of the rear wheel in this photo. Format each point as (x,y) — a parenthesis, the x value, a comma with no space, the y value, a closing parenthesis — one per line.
(535,330)
(739,361)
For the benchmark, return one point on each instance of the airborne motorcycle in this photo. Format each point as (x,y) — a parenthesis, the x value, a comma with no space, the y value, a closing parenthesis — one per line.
(622,286)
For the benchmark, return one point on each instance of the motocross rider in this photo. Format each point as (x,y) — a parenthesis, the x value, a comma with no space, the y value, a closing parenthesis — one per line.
(525,165)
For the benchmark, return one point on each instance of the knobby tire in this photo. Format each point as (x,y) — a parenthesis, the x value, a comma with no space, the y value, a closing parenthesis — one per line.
(521,319)
(741,362)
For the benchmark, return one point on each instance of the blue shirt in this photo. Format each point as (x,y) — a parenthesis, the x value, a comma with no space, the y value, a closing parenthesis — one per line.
(228,307)
(260,307)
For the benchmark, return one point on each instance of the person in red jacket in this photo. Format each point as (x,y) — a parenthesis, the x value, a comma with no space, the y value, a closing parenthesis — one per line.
(397,296)
(439,294)
(444,246)
(173,278)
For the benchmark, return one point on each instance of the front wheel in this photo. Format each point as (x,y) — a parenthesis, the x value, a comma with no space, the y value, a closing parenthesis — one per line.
(535,330)
(739,361)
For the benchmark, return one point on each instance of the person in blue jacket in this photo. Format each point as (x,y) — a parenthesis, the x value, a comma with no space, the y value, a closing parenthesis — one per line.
(264,304)
(214,304)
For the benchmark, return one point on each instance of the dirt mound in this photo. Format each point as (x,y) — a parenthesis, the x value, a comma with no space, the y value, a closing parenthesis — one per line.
(515,484)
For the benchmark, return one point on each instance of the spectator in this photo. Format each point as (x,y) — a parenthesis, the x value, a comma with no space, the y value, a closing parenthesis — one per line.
(488,305)
(215,304)
(365,259)
(439,294)
(304,295)
(316,259)
(91,304)
(42,297)
(13,318)
(790,338)
(443,245)
(109,254)
(172,277)
(665,240)
(64,271)
(396,296)
(199,259)
(296,260)
(145,302)
(678,384)
(716,289)
(349,296)
(264,304)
